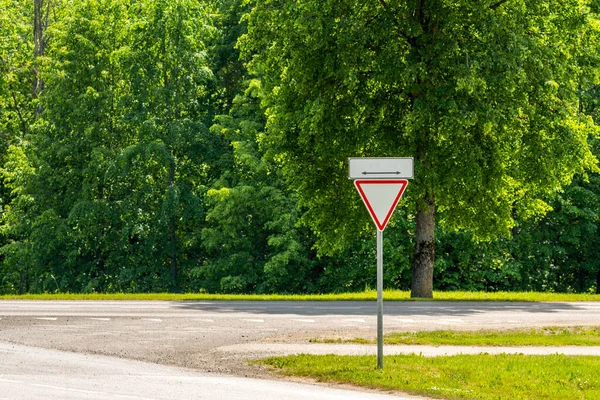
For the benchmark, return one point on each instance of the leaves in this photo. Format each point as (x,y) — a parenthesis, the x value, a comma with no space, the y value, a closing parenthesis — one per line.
(156,159)
(485,99)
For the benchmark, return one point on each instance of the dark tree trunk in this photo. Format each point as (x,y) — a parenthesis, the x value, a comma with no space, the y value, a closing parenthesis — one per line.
(424,256)
(581,276)
(173,240)
(22,281)
(41,14)
(598,282)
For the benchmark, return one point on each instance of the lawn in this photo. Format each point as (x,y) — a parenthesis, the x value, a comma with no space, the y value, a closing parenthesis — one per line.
(371,295)
(548,336)
(456,377)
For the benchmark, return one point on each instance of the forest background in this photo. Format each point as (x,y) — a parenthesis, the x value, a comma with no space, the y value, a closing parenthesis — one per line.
(137,156)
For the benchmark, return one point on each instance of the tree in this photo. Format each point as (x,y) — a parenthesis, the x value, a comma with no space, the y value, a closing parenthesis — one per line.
(169,74)
(251,239)
(484,95)
(16,80)
(41,21)
(17,113)
(108,186)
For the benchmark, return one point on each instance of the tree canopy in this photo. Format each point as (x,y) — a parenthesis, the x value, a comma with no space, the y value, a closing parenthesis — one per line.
(187,145)
(484,95)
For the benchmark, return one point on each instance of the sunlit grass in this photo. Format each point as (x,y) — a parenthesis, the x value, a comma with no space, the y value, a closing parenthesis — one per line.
(390,295)
(548,336)
(456,377)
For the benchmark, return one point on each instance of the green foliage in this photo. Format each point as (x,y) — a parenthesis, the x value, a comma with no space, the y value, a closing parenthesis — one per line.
(485,98)
(153,160)
(121,156)
(16,80)
(557,252)
(250,238)
(560,253)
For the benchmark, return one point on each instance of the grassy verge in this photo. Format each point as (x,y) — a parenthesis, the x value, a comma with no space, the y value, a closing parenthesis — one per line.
(457,377)
(550,336)
(391,295)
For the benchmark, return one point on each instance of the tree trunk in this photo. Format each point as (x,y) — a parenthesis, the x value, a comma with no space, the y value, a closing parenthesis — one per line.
(598,282)
(22,281)
(173,240)
(424,256)
(41,14)
(38,44)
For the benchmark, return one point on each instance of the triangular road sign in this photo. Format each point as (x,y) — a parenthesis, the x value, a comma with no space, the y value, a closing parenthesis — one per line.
(381,197)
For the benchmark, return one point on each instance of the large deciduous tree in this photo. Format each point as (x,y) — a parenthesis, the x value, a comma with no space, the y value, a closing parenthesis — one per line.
(484,95)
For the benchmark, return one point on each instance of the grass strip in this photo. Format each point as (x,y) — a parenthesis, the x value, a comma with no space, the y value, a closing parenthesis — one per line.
(370,295)
(548,336)
(456,377)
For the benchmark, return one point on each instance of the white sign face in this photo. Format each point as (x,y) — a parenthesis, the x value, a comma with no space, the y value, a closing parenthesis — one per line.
(380,168)
(381,197)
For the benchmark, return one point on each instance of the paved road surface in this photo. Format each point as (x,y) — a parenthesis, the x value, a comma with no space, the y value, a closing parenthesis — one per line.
(33,373)
(197,334)
(324,315)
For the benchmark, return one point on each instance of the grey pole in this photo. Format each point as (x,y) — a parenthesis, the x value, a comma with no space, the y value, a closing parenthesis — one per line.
(379,299)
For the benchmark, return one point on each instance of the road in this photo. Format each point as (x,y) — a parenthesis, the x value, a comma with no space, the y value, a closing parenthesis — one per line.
(34,373)
(200,335)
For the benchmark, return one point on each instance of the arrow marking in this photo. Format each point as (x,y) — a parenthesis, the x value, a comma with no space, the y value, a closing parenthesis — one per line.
(381,173)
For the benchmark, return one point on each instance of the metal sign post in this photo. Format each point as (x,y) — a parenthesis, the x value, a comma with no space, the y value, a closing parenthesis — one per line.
(376,180)
(379,299)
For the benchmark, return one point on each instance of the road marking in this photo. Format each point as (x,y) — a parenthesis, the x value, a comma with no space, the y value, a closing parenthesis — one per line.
(361,320)
(101,319)
(505,321)
(405,320)
(144,307)
(446,321)
(152,319)
(48,386)
(10,381)
(304,320)
(253,320)
(203,320)
(47,318)
(123,396)
(93,392)
(84,391)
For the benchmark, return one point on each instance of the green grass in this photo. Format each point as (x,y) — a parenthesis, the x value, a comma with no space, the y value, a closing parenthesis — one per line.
(456,377)
(390,295)
(549,336)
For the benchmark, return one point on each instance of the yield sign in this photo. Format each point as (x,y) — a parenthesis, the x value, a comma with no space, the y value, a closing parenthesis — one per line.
(381,197)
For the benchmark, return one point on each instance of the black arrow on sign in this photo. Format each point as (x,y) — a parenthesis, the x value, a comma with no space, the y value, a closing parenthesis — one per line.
(381,173)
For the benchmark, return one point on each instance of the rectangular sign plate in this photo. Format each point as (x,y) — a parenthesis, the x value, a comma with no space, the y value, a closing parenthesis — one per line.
(380,168)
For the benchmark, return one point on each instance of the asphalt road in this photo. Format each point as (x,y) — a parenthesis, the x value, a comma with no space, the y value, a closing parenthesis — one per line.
(234,321)
(201,335)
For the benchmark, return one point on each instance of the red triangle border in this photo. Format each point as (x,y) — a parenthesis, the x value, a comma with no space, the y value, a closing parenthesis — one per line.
(358,182)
